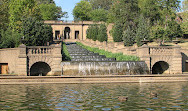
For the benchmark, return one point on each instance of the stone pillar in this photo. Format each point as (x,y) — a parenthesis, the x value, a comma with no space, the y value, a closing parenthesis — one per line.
(57,59)
(22,61)
(143,53)
(176,61)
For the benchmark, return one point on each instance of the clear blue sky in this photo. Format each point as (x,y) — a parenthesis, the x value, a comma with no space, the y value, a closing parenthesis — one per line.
(68,6)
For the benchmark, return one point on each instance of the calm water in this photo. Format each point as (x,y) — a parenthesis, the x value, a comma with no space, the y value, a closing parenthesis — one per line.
(170,96)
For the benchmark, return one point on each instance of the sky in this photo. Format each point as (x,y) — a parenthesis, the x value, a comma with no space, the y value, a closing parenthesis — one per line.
(68,6)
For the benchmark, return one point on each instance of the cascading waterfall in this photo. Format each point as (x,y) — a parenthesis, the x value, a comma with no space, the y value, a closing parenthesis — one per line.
(104,68)
(86,63)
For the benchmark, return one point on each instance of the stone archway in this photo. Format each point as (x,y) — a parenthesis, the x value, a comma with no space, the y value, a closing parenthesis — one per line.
(160,67)
(67,33)
(40,69)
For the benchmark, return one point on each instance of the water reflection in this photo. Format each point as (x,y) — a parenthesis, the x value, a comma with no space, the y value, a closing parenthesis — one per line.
(169,96)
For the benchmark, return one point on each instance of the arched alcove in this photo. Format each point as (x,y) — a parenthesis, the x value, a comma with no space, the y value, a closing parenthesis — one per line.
(39,69)
(160,67)
(67,33)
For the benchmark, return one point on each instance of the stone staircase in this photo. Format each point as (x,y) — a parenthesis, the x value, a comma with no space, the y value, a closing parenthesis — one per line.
(77,53)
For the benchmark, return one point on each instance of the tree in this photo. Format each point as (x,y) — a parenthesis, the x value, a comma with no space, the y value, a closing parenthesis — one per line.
(125,12)
(45,1)
(102,35)
(150,10)
(99,15)
(117,32)
(4,14)
(101,4)
(19,9)
(184,27)
(129,36)
(36,33)
(82,11)
(185,5)
(173,30)
(158,33)
(94,32)
(142,31)
(89,32)
(168,9)
(51,11)
(9,38)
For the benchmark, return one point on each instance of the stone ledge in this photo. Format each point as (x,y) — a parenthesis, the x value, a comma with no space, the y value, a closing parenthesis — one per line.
(93,79)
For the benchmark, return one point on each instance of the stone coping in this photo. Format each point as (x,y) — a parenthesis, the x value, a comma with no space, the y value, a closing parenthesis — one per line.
(92,79)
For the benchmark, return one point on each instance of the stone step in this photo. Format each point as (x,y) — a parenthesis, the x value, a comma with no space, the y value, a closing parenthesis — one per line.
(94,59)
(77,50)
(83,54)
(78,53)
(92,56)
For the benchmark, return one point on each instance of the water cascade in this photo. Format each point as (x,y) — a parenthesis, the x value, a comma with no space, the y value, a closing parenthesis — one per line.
(84,63)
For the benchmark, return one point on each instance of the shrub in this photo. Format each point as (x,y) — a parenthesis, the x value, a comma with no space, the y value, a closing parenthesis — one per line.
(129,36)
(117,32)
(102,35)
(142,31)
(94,32)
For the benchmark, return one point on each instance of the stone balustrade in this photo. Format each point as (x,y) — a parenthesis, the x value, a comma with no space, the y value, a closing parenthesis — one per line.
(160,50)
(39,50)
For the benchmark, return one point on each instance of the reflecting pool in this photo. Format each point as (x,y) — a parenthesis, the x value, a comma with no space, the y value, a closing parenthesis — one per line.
(140,96)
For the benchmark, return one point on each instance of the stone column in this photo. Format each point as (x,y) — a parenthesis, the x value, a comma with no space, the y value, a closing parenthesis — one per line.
(22,61)
(57,59)
(143,53)
(176,60)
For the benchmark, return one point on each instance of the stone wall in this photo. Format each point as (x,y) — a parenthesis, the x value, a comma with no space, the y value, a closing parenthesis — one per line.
(80,26)
(21,59)
(10,56)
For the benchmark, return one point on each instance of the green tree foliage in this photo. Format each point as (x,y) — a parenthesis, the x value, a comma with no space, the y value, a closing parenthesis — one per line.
(129,36)
(45,1)
(102,33)
(19,9)
(51,11)
(158,32)
(99,15)
(101,4)
(150,10)
(142,31)
(35,32)
(168,9)
(88,36)
(125,12)
(82,11)
(184,27)
(94,31)
(185,5)
(97,32)
(117,32)
(173,30)
(9,38)
(4,14)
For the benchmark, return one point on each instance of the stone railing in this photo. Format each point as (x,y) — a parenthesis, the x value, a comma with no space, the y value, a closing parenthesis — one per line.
(39,50)
(161,50)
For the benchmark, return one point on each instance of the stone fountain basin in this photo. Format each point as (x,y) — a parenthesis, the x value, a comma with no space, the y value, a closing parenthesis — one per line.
(80,68)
